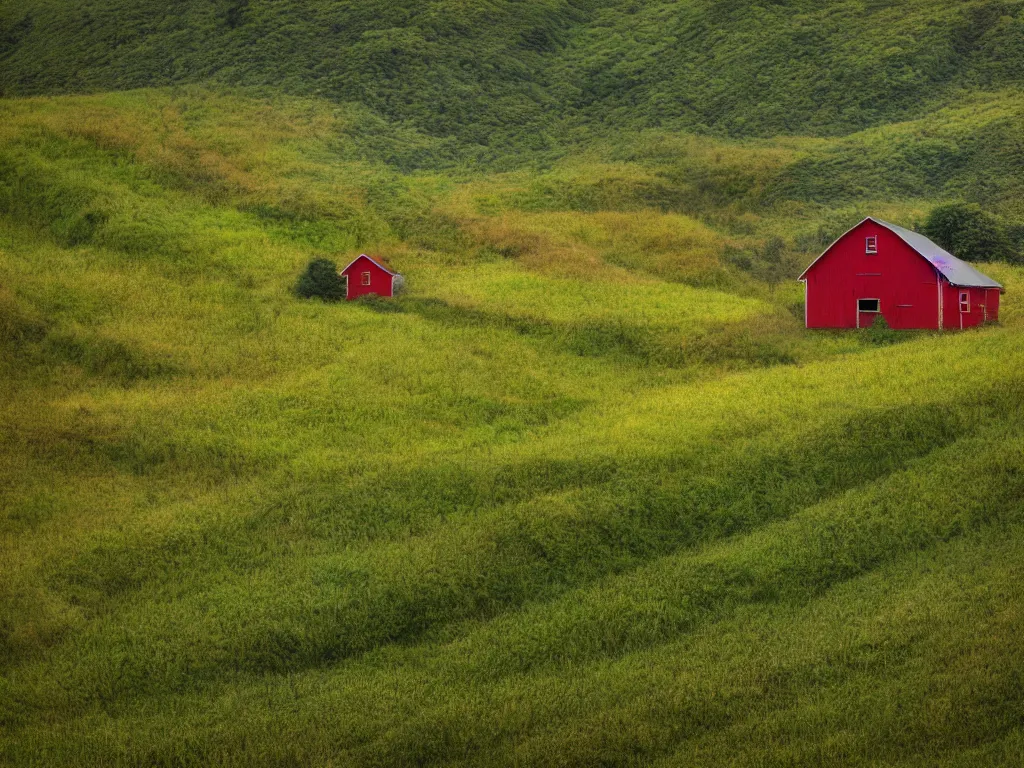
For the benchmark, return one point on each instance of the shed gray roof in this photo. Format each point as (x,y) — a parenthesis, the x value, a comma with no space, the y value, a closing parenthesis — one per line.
(949,266)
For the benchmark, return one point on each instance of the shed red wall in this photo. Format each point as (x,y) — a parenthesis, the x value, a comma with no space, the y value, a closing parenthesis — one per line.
(905,283)
(381,281)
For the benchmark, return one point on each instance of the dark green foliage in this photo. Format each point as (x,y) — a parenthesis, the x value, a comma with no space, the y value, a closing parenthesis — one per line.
(496,75)
(321,280)
(469,69)
(970,233)
(880,334)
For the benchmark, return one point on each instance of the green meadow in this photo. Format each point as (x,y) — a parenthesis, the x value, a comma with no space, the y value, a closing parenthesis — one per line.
(587,493)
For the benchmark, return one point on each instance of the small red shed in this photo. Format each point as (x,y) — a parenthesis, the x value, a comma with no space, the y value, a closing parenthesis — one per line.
(878,268)
(365,275)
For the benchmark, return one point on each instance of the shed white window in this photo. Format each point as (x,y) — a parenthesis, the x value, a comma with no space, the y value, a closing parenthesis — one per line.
(965,301)
(871,244)
(366,278)
(869,305)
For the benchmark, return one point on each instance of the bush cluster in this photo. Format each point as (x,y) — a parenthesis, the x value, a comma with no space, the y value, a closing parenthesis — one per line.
(320,280)
(970,233)
(503,75)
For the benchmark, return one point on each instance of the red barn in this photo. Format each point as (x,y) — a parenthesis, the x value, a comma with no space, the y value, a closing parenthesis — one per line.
(364,276)
(878,268)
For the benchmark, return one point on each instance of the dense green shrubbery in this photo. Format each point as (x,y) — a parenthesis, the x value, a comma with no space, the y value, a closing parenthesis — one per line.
(970,233)
(504,74)
(320,280)
(881,334)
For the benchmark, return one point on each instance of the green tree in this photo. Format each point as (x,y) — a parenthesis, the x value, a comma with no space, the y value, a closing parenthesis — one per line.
(969,233)
(320,279)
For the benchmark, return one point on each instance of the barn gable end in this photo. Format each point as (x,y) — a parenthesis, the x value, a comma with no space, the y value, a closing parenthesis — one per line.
(878,269)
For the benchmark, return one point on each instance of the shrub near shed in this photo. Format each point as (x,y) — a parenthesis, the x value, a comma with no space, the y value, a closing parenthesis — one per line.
(320,280)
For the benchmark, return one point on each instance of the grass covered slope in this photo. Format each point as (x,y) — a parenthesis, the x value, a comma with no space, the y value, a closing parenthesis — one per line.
(586,493)
(502,73)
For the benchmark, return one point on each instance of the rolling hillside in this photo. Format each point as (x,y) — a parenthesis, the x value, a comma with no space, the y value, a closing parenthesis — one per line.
(586,493)
(500,73)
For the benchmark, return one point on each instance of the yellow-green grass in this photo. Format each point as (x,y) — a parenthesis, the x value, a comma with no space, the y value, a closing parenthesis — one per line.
(893,626)
(562,502)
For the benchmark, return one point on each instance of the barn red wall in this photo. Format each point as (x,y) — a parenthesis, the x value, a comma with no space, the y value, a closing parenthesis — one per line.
(992,301)
(984,305)
(897,275)
(380,279)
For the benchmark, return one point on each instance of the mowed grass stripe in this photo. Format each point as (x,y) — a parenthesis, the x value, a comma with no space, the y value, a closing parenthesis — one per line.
(674,435)
(554,663)
(284,605)
(912,664)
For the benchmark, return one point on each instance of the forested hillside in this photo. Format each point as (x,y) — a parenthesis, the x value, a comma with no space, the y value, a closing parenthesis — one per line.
(500,73)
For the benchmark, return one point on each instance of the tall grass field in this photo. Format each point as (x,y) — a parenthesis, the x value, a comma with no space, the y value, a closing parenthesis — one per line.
(586,493)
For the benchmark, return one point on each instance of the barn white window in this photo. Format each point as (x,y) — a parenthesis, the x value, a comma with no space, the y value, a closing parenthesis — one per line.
(871,244)
(366,278)
(869,305)
(965,301)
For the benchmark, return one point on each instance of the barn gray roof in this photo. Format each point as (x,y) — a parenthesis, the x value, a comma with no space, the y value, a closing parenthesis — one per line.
(949,266)
(956,271)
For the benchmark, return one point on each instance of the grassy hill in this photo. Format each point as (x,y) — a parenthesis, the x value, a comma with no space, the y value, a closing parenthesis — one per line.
(492,75)
(587,493)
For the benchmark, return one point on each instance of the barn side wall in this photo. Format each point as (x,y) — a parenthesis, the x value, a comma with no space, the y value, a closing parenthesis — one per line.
(380,279)
(983,305)
(992,302)
(905,284)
